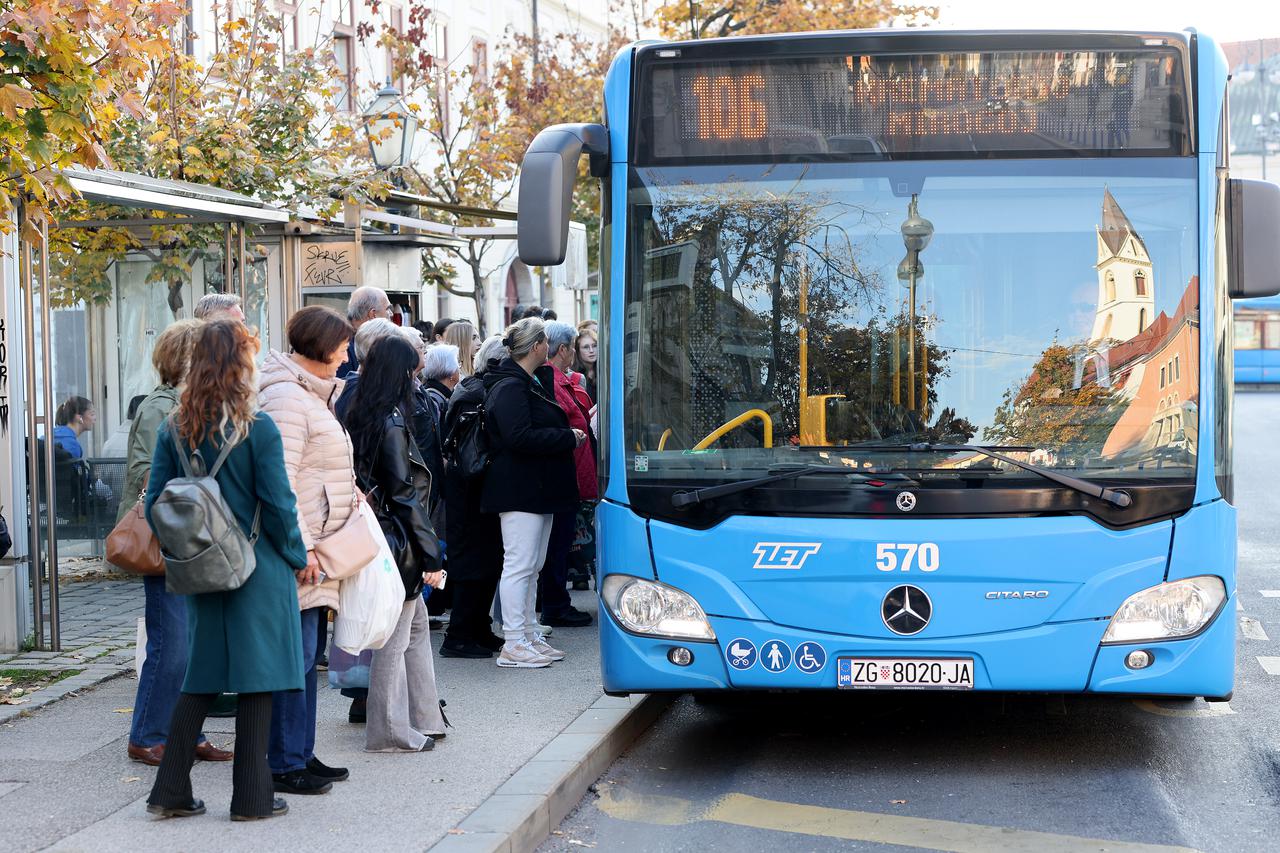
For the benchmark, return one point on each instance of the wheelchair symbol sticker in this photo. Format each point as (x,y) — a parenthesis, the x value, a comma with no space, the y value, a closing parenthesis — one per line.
(741,654)
(775,655)
(810,657)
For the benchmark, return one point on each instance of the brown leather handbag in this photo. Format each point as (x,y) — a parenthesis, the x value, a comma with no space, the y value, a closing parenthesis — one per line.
(132,544)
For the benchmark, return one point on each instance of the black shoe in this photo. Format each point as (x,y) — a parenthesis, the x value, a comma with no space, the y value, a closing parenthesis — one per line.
(320,770)
(300,782)
(195,807)
(571,618)
(579,586)
(473,651)
(357,712)
(278,807)
(492,642)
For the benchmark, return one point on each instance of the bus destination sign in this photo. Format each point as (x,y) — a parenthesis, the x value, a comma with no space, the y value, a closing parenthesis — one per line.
(1036,103)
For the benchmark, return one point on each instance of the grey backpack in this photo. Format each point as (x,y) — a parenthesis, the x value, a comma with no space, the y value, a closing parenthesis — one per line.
(203,547)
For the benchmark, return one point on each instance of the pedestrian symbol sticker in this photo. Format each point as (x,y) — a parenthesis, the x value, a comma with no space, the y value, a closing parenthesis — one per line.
(741,654)
(775,655)
(810,657)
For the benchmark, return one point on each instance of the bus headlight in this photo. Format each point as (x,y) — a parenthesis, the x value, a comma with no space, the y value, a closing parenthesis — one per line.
(655,609)
(1168,611)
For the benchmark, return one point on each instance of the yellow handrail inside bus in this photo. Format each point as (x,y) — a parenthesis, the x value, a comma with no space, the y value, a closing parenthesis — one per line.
(662,442)
(750,414)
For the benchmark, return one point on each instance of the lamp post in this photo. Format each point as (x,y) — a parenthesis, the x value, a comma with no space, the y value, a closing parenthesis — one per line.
(390,129)
(916,233)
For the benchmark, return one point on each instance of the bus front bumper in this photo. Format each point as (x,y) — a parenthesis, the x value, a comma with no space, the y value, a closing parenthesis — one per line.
(1056,658)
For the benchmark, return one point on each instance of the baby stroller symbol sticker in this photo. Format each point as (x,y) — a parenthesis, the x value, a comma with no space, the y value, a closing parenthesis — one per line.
(775,655)
(810,657)
(741,654)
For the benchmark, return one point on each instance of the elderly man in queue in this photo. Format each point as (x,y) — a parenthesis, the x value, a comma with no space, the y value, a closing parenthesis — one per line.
(366,303)
(219,306)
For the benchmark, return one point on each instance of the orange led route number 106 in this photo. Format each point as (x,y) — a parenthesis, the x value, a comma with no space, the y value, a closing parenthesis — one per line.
(728,107)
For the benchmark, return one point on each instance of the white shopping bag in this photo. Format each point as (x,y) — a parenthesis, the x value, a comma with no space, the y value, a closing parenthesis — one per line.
(370,601)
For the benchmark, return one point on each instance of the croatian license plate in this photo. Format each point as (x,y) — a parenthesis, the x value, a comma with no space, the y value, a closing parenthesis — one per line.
(931,673)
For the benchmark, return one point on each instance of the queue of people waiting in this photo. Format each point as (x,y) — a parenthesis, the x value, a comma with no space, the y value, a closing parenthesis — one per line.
(477,460)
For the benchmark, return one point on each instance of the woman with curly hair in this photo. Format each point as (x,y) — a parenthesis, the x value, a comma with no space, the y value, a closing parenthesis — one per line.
(247,641)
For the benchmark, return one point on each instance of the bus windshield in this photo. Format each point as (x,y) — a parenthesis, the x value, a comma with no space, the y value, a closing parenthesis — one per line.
(819,313)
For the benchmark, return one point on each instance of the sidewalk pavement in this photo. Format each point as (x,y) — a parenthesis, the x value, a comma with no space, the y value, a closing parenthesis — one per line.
(65,783)
(99,629)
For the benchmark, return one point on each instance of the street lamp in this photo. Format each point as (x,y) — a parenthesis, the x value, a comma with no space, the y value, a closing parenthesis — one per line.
(390,129)
(916,234)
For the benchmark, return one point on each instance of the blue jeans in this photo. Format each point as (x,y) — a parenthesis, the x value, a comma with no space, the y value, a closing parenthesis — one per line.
(293,713)
(165,666)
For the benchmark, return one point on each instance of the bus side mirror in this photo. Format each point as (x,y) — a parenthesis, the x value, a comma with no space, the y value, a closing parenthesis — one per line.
(1253,238)
(547,176)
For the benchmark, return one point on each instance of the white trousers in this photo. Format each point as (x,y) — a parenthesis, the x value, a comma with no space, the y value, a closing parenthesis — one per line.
(524,548)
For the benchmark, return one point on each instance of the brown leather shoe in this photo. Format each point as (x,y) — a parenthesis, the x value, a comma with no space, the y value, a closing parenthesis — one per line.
(149,755)
(208,752)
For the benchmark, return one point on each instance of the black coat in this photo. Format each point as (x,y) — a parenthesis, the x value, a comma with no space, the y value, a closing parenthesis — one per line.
(532,467)
(473,539)
(393,465)
(426,432)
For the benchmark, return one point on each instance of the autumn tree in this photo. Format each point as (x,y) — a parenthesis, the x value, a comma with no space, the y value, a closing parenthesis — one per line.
(254,119)
(687,19)
(68,71)
(1059,407)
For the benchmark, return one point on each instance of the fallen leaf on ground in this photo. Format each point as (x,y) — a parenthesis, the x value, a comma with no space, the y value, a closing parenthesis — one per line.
(457,832)
(132,779)
(898,802)
(557,832)
(11,700)
(122,711)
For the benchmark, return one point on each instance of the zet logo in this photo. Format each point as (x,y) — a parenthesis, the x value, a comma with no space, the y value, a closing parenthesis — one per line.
(784,555)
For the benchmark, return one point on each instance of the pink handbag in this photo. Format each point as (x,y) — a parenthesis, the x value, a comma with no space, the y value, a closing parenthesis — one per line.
(348,549)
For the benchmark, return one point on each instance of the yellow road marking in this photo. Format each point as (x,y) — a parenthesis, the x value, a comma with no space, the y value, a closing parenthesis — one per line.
(945,835)
(1211,709)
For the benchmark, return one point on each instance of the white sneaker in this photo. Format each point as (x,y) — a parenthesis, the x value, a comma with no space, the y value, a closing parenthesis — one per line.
(522,655)
(544,630)
(542,647)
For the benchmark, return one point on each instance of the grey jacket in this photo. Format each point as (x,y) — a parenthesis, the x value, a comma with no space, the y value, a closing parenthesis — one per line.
(151,413)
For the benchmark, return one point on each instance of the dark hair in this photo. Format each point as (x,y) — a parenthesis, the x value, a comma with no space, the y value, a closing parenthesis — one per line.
(133,406)
(316,331)
(532,311)
(68,410)
(550,315)
(426,328)
(386,381)
(441,324)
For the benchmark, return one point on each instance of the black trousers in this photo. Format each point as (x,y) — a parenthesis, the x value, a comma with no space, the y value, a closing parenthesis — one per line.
(469,621)
(252,790)
(553,597)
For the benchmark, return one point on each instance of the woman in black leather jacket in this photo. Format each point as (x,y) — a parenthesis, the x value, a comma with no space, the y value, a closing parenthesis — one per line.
(403,706)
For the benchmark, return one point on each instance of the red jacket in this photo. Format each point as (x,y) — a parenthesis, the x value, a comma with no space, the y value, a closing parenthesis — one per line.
(573,398)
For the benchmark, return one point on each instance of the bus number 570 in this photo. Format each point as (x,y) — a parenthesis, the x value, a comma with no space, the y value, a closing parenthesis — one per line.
(904,556)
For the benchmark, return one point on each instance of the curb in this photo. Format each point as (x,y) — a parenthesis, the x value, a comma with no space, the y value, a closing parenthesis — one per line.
(520,815)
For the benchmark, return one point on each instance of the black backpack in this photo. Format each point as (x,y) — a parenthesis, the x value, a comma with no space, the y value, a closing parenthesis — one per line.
(467,449)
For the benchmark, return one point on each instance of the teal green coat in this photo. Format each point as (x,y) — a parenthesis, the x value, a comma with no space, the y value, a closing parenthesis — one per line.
(248,640)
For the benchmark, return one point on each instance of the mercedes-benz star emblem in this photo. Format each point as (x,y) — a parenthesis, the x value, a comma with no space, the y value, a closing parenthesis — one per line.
(906,610)
(906,501)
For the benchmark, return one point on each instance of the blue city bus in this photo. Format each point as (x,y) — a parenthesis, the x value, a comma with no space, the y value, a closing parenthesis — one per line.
(1257,342)
(917,364)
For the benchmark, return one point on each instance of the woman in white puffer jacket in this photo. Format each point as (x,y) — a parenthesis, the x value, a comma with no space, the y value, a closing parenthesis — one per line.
(298,392)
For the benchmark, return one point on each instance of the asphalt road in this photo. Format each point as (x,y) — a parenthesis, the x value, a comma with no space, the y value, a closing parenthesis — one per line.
(976,772)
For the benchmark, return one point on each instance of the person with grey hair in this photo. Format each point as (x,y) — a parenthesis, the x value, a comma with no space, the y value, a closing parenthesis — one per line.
(219,306)
(366,303)
(369,333)
(474,538)
(531,477)
(557,607)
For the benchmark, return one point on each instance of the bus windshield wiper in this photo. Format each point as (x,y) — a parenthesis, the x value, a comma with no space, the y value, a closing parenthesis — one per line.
(682,499)
(1115,497)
